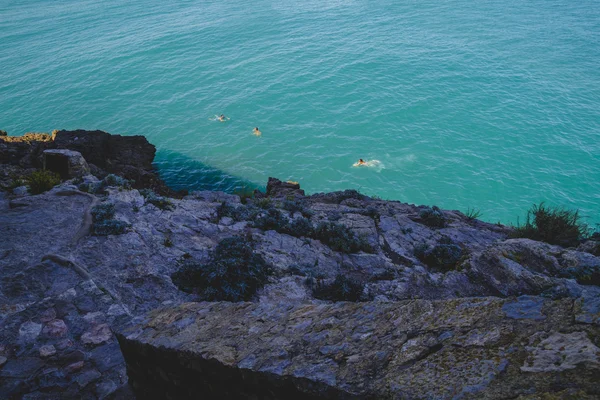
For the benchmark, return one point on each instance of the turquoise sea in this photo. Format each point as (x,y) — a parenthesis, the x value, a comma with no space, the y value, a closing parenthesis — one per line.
(481,104)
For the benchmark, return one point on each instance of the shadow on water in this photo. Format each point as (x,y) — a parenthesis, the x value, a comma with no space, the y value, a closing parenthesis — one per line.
(182,172)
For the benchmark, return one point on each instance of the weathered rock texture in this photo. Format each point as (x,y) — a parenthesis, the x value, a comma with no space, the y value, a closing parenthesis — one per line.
(63,291)
(484,348)
(67,163)
(128,156)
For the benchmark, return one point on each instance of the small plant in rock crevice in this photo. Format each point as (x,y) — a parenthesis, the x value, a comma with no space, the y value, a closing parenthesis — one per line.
(444,256)
(42,181)
(342,288)
(301,227)
(160,202)
(272,219)
(111,180)
(340,238)
(264,203)
(245,193)
(337,236)
(432,217)
(16,182)
(234,273)
(294,205)
(240,212)
(473,214)
(552,225)
(103,222)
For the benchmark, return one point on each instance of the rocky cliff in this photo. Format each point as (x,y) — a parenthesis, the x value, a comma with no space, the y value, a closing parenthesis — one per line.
(346,296)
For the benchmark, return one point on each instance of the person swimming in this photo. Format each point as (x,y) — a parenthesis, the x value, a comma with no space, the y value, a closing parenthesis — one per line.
(221,118)
(361,162)
(256,131)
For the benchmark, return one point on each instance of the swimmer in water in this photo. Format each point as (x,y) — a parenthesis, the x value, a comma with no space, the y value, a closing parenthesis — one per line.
(361,162)
(221,118)
(256,132)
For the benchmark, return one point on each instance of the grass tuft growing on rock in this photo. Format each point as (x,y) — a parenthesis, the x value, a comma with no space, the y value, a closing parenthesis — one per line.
(42,181)
(341,289)
(235,273)
(473,214)
(552,225)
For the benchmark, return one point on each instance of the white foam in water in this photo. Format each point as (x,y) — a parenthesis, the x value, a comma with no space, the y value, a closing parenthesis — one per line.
(375,164)
(216,118)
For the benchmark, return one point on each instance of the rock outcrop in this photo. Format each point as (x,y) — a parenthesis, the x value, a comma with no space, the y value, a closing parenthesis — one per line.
(128,156)
(483,348)
(449,306)
(67,163)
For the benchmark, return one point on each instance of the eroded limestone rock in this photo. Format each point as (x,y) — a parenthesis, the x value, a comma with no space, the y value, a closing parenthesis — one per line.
(468,348)
(67,163)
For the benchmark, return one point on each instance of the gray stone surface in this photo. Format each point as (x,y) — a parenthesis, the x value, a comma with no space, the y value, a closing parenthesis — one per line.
(420,349)
(75,164)
(62,288)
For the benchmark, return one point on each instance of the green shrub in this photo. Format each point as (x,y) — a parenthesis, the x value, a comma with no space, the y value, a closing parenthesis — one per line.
(301,227)
(349,194)
(372,212)
(340,238)
(272,219)
(432,217)
(552,225)
(442,256)
(334,216)
(342,289)
(584,274)
(103,222)
(264,203)
(100,186)
(237,213)
(16,181)
(103,212)
(110,227)
(115,180)
(159,201)
(235,273)
(293,205)
(42,181)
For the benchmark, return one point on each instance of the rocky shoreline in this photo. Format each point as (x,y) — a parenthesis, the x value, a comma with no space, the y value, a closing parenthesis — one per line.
(476,313)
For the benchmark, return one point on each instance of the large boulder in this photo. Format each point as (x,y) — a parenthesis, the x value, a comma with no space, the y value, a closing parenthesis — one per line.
(478,348)
(67,163)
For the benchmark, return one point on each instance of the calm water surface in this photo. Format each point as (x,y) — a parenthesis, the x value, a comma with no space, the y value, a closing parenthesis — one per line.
(486,104)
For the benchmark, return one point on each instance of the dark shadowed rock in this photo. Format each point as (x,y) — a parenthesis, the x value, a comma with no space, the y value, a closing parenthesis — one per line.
(465,348)
(510,316)
(277,188)
(67,163)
